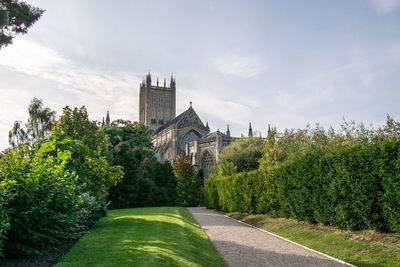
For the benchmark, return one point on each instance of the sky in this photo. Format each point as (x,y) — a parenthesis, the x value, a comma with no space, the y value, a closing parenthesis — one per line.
(285,63)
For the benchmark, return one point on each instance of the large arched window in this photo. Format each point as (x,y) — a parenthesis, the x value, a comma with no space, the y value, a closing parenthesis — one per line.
(207,161)
(187,138)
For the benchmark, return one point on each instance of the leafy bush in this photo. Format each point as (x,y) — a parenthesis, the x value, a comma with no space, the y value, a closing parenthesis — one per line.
(91,209)
(95,174)
(52,192)
(44,206)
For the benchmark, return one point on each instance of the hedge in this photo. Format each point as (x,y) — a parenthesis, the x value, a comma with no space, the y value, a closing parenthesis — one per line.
(4,219)
(347,185)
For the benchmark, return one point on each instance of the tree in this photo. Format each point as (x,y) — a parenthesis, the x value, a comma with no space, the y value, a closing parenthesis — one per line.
(94,172)
(129,145)
(17,135)
(158,181)
(16,17)
(243,153)
(40,120)
(75,124)
(37,128)
(188,183)
(165,180)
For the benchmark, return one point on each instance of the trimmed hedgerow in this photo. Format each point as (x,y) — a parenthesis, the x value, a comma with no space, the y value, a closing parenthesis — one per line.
(348,180)
(4,219)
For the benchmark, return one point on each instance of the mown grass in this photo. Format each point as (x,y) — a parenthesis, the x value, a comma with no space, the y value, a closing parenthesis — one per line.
(164,236)
(361,248)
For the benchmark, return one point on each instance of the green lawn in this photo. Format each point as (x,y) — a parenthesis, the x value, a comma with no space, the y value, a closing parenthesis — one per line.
(361,248)
(166,236)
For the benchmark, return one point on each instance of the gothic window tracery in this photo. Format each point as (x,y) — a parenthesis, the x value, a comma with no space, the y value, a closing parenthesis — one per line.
(206,163)
(187,138)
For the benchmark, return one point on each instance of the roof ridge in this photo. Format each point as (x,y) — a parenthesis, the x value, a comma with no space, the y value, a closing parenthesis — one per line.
(177,120)
(171,122)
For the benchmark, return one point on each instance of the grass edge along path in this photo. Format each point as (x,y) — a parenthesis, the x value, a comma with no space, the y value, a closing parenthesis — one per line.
(162,236)
(361,248)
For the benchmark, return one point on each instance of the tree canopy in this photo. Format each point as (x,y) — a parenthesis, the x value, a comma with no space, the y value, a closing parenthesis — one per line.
(38,127)
(75,124)
(16,17)
(241,155)
(188,182)
(146,182)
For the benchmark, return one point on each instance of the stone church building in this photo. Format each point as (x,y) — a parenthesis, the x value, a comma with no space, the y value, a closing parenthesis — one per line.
(184,134)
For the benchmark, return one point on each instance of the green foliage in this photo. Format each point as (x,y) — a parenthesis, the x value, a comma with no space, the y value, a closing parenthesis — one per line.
(4,219)
(55,190)
(37,128)
(350,179)
(75,124)
(234,193)
(54,187)
(15,18)
(146,182)
(94,170)
(129,134)
(188,183)
(226,168)
(44,202)
(100,176)
(244,154)
(160,182)
(95,174)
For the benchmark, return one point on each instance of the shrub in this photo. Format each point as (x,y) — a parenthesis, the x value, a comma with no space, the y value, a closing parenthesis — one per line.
(91,209)
(51,192)
(95,174)
(43,209)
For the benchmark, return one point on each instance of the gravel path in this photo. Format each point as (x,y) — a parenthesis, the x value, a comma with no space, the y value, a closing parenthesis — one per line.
(241,245)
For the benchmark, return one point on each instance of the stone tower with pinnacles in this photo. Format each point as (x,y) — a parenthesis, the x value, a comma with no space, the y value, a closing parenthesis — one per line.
(157,103)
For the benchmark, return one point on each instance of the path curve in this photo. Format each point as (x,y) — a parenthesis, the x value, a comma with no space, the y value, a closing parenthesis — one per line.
(241,245)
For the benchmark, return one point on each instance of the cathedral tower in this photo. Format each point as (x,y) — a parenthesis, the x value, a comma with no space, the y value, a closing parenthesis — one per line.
(157,104)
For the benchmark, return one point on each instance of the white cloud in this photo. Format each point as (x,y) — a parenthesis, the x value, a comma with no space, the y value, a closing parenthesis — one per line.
(103,87)
(67,82)
(386,6)
(238,65)
(214,106)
